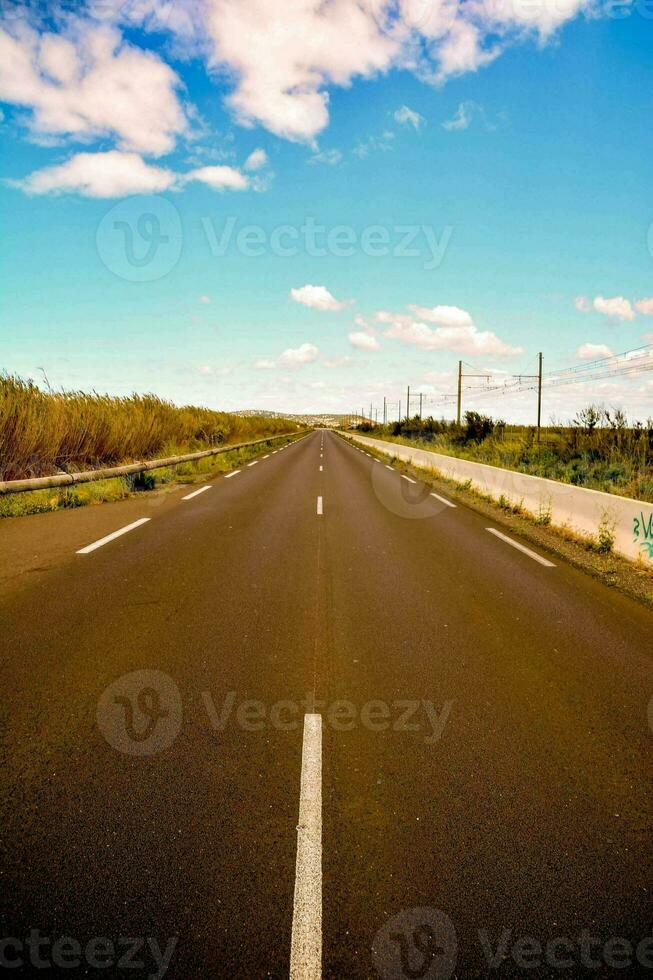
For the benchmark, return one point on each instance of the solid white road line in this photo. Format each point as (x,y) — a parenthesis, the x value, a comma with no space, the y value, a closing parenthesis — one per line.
(110,537)
(520,547)
(234,473)
(253,463)
(196,493)
(306,942)
(404,477)
(443,500)
(319,506)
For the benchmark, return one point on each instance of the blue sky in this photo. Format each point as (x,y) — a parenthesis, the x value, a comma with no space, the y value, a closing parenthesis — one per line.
(520,189)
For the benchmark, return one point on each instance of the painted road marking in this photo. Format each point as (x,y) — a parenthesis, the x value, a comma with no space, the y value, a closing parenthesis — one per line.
(443,500)
(306,941)
(274,452)
(196,493)
(520,547)
(267,456)
(235,473)
(404,477)
(389,467)
(319,506)
(110,537)
(321,468)
(253,463)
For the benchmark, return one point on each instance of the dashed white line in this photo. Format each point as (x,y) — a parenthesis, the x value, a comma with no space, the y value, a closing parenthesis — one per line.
(521,547)
(404,477)
(274,452)
(443,500)
(321,468)
(306,941)
(319,506)
(254,462)
(196,493)
(110,537)
(389,467)
(233,473)
(267,456)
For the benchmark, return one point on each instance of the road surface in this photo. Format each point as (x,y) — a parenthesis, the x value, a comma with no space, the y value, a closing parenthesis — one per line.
(458,730)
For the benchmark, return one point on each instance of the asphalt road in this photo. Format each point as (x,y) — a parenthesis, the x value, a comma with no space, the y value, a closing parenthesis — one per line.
(475,793)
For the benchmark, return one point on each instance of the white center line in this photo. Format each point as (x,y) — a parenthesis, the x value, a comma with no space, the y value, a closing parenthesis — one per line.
(321,468)
(253,463)
(520,547)
(196,493)
(404,477)
(234,473)
(443,500)
(306,942)
(319,506)
(110,537)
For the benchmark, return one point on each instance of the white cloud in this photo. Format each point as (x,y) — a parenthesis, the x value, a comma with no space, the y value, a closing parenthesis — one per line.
(318,298)
(462,117)
(617,308)
(443,316)
(363,341)
(219,178)
(458,334)
(592,352)
(330,157)
(110,174)
(119,174)
(292,357)
(205,299)
(583,304)
(256,160)
(644,306)
(406,116)
(90,85)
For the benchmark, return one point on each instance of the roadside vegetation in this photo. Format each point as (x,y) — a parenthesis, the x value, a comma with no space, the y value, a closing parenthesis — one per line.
(43,433)
(598,449)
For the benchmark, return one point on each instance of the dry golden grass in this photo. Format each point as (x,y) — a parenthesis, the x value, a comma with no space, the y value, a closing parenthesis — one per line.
(42,433)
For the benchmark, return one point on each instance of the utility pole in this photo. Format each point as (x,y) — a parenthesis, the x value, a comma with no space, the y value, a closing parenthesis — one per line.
(420,405)
(385,411)
(539,394)
(370,411)
(408,402)
(399,416)
(460,390)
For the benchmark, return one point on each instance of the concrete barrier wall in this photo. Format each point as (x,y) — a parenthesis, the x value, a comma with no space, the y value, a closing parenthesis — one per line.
(580,509)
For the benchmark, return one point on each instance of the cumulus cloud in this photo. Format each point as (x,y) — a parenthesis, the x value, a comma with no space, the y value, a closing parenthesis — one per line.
(363,341)
(592,352)
(583,304)
(92,84)
(644,306)
(318,298)
(457,332)
(294,357)
(617,308)
(406,116)
(119,174)
(256,160)
(110,174)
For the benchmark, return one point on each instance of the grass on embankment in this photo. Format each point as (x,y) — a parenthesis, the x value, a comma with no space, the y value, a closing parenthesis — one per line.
(598,451)
(591,555)
(44,433)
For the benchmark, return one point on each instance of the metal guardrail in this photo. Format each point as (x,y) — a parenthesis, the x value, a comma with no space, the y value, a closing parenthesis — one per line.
(90,476)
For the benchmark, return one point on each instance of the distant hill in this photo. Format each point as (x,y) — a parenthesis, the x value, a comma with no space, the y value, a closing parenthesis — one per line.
(308,418)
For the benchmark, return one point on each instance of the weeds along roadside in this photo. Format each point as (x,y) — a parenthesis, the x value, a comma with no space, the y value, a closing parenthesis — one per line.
(120,488)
